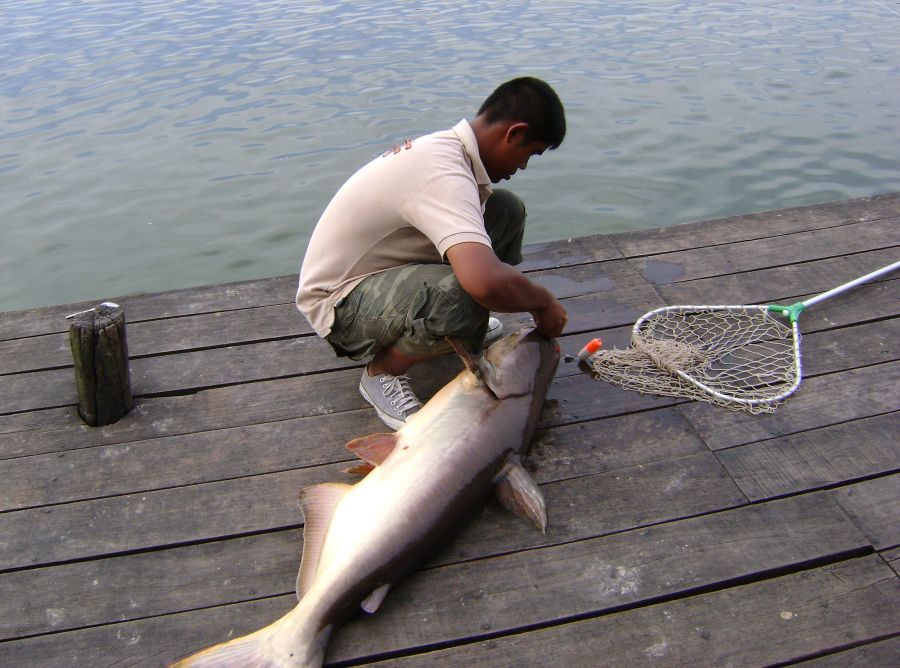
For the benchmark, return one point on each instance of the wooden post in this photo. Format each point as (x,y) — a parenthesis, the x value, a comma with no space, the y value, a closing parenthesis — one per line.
(97,338)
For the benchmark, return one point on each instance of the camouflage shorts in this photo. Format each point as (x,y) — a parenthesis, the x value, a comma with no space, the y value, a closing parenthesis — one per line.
(414,307)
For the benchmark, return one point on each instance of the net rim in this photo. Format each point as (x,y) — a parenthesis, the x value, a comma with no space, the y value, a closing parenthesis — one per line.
(703,387)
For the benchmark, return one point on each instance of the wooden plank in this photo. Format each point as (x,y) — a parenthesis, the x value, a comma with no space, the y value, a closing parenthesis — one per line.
(103,527)
(156,641)
(771,622)
(591,577)
(131,587)
(150,306)
(625,498)
(567,252)
(229,328)
(757,225)
(796,282)
(598,446)
(793,283)
(814,459)
(223,454)
(605,503)
(578,397)
(727,259)
(152,337)
(203,369)
(182,372)
(873,505)
(237,405)
(459,601)
(892,558)
(822,401)
(879,653)
(208,456)
(824,352)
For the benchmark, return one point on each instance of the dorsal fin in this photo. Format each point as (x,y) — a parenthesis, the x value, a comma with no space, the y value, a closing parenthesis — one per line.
(479,366)
(317,503)
(467,358)
(373,448)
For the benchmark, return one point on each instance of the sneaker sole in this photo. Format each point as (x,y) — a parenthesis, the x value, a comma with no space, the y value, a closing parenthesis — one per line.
(491,337)
(493,334)
(389,420)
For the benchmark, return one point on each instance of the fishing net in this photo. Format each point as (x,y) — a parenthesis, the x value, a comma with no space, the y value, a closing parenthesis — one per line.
(740,357)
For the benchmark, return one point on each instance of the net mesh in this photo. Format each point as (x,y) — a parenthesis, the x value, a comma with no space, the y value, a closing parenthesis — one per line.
(740,356)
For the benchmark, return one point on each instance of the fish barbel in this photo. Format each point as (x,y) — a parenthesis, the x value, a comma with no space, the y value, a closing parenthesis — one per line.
(425,479)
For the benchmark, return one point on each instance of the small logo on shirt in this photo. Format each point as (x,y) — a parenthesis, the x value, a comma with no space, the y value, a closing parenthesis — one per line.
(407,144)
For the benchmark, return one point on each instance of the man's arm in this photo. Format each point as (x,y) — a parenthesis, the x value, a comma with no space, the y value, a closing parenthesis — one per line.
(499,287)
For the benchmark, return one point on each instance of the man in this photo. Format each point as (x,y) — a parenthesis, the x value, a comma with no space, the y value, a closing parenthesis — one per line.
(416,246)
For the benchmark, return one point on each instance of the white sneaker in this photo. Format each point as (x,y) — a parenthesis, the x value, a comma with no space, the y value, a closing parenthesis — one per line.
(391,396)
(494,331)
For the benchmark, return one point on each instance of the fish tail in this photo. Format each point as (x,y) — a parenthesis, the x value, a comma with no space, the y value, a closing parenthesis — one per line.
(247,651)
(261,649)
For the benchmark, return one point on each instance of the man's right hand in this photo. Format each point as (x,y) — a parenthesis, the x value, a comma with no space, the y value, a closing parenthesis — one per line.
(552,320)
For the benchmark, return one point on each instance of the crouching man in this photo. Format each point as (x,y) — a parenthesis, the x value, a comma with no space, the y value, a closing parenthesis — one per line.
(416,246)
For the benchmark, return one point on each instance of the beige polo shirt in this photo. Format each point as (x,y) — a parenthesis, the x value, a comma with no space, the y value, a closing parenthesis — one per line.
(407,206)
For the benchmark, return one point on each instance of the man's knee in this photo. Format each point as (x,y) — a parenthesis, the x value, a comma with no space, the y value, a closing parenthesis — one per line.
(447,311)
(504,221)
(504,204)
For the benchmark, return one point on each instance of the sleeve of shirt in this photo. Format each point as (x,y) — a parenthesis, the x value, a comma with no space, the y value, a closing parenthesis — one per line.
(446,208)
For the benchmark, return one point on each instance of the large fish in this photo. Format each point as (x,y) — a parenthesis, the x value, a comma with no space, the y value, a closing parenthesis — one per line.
(425,480)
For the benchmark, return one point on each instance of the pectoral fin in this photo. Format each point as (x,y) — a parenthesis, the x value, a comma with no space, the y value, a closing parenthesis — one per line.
(373,601)
(318,504)
(519,493)
(363,469)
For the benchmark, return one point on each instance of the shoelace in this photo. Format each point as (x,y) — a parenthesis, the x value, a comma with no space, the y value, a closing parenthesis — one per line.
(397,389)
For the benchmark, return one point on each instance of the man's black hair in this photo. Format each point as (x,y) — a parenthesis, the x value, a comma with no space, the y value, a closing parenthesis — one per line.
(528,100)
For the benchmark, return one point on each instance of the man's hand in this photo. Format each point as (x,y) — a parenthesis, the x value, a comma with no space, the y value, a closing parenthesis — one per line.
(551,321)
(501,288)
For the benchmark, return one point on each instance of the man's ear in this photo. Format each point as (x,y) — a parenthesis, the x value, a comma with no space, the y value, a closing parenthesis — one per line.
(516,132)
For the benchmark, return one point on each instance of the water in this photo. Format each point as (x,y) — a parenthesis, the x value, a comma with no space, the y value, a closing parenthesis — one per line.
(159,144)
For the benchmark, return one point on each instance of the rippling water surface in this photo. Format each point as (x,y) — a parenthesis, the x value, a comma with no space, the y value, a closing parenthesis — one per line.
(160,144)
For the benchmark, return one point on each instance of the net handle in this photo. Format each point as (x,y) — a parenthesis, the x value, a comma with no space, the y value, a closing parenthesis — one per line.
(852,284)
(793,311)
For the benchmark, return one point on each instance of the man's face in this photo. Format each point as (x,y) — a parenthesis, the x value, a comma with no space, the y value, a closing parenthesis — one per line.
(511,154)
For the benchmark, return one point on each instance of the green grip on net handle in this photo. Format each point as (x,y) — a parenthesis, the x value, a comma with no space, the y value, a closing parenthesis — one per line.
(791,312)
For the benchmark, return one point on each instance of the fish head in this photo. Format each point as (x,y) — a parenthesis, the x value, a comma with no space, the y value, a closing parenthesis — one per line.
(519,364)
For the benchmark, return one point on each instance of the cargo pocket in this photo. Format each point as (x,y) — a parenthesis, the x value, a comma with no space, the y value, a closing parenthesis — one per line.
(416,314)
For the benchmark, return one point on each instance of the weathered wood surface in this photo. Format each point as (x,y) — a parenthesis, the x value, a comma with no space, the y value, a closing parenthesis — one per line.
(773,622)
(680,533)
(100,357)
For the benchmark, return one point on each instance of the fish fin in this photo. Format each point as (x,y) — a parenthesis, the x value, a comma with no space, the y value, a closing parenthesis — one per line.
(359,469)
(373,448)
(250,651)
(318,503)
(480,367)
(519,493)
(257,650)
(373,601)
(467,358)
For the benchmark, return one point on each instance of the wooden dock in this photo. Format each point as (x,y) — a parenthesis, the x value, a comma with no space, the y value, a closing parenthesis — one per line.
(680,533)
